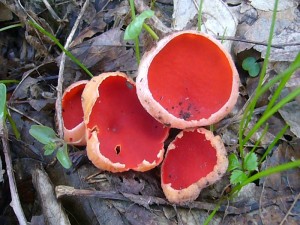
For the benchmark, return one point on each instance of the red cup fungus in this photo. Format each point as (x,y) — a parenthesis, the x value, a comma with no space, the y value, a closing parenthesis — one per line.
(72,114)
(194,160)
(121,135)
(187,80)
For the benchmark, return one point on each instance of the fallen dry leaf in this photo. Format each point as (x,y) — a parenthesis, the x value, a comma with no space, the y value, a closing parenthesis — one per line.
(217,19)
(268,5)
(291,114)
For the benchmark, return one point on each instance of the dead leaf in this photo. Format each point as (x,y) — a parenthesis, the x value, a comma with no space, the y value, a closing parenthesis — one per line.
(137,215)
(96,26)
(195,217)
(268,5)
(5,13)
(294,82)
(287,30)
(286,180)
(291,114)
(217,18)
(281,188)
(106,52)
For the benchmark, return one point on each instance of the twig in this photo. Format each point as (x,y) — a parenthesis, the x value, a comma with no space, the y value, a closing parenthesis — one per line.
(61,72)
(290,209)
(23,114)
(52,12)
(15,201)
(228,38)
(146,201)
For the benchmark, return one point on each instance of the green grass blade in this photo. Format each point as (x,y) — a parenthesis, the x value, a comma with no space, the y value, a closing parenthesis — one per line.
(212,214)
(150,31)
(13,126)
(274,142)
(200,14)
(249,111)
(9,81)
(2,102)
(11,27)
(136,40)
(56,41)
(287,73)
(278,91)
(264,173)
(260,138)
(271,112)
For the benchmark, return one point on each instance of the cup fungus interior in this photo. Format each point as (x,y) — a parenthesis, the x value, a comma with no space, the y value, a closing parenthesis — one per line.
(190,77)
(72,111)
(192,158)
(127,134)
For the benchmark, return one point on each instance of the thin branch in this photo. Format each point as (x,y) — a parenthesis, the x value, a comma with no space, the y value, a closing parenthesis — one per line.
(59,87)
(290,210)
(15,201)
(146,201)
(51,10)
(282,45)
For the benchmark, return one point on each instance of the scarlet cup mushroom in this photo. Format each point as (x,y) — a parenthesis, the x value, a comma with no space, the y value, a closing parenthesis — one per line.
(121,135)
(194,160)
(187,80)
(72,113)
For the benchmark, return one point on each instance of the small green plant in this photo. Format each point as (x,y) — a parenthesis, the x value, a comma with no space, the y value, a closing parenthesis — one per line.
(2,103)
(242,170)
(243,165)
(4,113)
(250,64)
(134,29)
(52,144)
(11,27)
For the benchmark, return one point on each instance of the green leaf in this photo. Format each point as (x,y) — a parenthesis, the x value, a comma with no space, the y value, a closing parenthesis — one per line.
(43,134)
(49,148)
(250,162)
(249,64)
(234,162)
(134,29)
(2,101)
(63,157)
(238,176)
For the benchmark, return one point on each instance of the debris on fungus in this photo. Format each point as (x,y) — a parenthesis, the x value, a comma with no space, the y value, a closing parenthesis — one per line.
(194,160)
(187,80)
(121,135)
(72,114)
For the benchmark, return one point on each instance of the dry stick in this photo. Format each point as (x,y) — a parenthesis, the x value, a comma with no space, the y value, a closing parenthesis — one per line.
(146,201)
(228,38)
(15,201)
(52,12)
(59,87)
(290,209)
